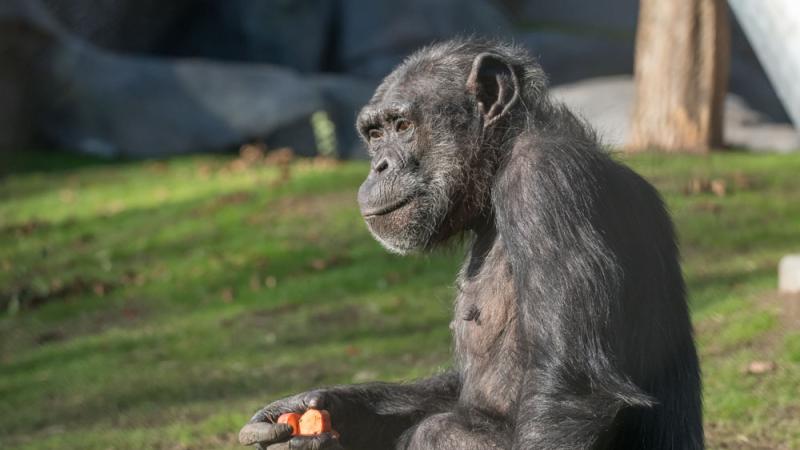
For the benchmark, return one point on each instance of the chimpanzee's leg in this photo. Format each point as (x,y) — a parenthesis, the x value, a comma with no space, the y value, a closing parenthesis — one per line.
(456,431)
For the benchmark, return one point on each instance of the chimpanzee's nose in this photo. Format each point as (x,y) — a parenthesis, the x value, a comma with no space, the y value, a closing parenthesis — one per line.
(381,165)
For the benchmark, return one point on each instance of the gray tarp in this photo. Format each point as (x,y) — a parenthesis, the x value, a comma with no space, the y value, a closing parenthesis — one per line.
(773,28)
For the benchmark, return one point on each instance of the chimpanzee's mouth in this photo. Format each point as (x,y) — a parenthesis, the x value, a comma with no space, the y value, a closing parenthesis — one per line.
(386,209)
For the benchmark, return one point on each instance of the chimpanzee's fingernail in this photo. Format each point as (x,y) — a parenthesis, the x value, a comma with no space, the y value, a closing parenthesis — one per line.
(314,400)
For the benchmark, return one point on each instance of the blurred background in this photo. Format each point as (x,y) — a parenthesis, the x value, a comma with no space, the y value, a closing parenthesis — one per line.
(180,244)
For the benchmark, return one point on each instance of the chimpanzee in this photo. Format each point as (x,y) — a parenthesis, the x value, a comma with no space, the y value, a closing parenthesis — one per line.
(571,326)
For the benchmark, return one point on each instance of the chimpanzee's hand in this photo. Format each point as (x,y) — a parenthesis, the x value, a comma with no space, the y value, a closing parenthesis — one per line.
(268,435)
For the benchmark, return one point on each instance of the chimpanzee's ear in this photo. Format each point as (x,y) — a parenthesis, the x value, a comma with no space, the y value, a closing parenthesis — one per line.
(494,84)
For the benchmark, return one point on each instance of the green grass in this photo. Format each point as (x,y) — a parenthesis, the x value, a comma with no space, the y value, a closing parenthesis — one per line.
(158,304)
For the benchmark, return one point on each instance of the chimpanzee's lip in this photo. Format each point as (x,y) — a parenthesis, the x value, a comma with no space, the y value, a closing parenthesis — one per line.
(385,209)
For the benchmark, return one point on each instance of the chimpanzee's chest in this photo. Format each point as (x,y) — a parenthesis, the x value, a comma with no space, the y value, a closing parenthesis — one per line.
(487,344)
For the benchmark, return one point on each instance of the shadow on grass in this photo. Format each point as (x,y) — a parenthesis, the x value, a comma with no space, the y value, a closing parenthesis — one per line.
(50,161)
(58,161)
(707,290)
(187,349)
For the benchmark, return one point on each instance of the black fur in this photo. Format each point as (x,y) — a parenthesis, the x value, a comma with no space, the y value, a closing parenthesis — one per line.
(571,326)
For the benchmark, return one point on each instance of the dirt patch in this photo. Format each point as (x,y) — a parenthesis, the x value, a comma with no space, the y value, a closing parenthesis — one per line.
(25,228)
(346,314)
(30,296)
(218,203)
(129,314)
(786,309)
(259,318)
(727,437)
(707,207)
(312,205)
(307,206)
(762,344)
(329,261)
(788,306)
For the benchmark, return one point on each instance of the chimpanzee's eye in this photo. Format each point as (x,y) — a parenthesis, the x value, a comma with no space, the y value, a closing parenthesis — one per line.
(375,134)
(402,125)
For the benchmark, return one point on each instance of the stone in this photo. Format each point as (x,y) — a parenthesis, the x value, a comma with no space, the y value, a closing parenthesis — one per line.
(91,92)
(606,103)
(116,105)
(142,78)
(137,26)
(614,22)
(26,32)
(375,36)
(292,33)
(567,58)
(789,274)
(343,97)
(605,15)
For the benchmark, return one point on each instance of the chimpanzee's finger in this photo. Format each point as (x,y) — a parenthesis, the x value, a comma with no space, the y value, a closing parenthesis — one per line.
(315,399)
(262,415)
(271,412)
(264,433)
(324,441)
(278,446)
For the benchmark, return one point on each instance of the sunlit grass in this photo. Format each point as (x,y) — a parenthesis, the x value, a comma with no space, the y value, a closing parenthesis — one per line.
(158,304)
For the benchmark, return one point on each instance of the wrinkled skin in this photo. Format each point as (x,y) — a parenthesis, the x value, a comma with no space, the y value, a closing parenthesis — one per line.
(571,329)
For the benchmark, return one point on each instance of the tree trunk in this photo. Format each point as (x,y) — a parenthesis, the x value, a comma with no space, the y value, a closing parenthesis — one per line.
(681,70)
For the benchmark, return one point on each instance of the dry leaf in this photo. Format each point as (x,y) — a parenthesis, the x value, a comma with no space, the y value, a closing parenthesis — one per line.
(719,187)
(761,367)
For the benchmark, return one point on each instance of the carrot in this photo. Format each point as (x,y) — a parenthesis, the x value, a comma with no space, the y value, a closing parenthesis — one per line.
(314,422)
(293,420)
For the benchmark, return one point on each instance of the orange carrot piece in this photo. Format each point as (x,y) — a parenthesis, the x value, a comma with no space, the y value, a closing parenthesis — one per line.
(314,422)
(293,420)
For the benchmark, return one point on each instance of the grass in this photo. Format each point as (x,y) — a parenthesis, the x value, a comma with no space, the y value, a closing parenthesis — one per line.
(157,304)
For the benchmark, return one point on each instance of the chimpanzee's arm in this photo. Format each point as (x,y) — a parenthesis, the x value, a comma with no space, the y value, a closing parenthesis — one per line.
(373,415)
(376,414)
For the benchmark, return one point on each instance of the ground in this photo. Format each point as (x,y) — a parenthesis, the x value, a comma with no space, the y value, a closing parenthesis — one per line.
(158,304)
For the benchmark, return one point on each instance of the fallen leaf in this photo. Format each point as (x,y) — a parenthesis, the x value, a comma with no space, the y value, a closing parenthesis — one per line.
(719,187)
(99,289)
(227,295)
(253,152)
(761,367)
(255,283)
(697,186)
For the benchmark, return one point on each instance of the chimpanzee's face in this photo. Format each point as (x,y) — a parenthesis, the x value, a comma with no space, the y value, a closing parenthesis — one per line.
(430,130)
(418,136)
